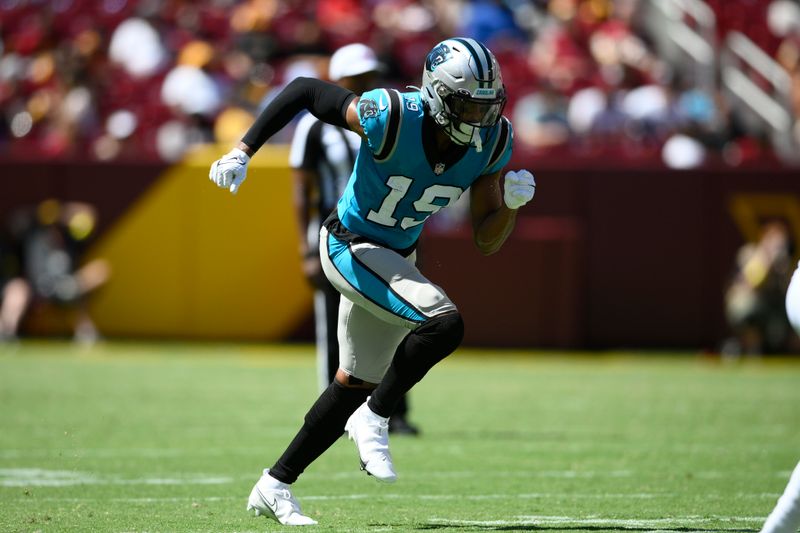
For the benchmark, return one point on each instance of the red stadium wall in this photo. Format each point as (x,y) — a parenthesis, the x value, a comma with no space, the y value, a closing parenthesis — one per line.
(615,257)
(602,258)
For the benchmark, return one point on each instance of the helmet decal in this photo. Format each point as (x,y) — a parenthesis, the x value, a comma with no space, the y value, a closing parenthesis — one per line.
(437,56)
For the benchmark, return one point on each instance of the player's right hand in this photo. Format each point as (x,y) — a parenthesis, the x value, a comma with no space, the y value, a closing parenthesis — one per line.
(230,170)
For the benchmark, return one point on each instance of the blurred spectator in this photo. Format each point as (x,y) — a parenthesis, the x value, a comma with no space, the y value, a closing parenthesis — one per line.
(682,152)
(193,95)
(136,46)
(148,79)
(14,292)
(540,119)
(49,239)
(755,297)
(490,21)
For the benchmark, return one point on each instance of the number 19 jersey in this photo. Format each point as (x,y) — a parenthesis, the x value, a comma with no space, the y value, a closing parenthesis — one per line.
(395,186)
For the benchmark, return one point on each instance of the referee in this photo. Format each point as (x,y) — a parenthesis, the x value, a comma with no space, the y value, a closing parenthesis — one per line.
(322,158)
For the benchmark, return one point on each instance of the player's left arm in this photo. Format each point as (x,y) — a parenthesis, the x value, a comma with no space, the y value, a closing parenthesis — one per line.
(494,211)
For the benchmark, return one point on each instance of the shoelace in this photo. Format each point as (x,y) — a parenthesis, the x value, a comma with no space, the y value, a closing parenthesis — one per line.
(379,423)
(288,495)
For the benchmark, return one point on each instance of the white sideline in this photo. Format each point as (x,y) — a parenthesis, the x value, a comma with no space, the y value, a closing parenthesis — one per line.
(38,477)
(15,477)
(576,446)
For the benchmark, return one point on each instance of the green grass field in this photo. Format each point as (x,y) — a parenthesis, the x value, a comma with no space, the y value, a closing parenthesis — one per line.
(171,437)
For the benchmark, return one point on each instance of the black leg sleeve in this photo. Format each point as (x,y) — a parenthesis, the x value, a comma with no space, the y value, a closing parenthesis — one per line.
(431,342)
(402,407)
(324,423)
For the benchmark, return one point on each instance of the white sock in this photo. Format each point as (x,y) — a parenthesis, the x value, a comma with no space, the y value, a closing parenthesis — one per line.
(272,483)
(785,518)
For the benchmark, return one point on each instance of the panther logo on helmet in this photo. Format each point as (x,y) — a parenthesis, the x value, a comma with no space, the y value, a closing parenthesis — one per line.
(437,56)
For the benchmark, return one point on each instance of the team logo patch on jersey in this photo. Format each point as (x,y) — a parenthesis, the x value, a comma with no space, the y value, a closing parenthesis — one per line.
(438,169)
(437,56)
(367,108)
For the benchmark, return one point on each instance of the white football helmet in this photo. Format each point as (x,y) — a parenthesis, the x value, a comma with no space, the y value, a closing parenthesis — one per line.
(463,89)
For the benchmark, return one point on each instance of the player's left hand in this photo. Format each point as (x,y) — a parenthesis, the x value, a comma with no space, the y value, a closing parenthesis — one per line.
(518,188)
(230,170)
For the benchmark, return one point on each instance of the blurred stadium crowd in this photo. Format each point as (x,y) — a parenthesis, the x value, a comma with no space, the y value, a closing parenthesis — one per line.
(147,79)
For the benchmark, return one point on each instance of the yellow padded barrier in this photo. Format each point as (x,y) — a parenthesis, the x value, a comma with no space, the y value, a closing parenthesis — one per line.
(190,260)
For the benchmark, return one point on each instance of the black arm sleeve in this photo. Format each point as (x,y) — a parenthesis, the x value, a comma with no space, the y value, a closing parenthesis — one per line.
(326,101)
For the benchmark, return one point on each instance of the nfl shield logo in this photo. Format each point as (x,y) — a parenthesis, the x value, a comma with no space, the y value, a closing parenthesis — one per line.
(438,169)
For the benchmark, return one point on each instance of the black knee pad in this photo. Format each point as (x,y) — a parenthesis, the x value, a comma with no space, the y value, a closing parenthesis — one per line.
(432,341)
(442,334)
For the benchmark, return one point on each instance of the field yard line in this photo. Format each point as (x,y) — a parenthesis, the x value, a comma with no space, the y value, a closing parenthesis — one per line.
(11,477)
(555,474)
(39,477)
(150,499)
(340,497)
(654,523)
(429,474)
(115,453)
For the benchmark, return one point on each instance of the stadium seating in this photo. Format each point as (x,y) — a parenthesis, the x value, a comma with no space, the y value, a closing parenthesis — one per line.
(67,92)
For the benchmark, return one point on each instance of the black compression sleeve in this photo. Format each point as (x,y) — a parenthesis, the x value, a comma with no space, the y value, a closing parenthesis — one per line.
(326,101)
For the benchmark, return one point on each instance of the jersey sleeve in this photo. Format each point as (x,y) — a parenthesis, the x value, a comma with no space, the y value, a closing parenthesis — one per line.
(501,152)
(379,112)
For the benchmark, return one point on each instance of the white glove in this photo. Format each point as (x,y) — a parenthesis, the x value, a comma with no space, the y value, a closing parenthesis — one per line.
(519,188)
(230,170)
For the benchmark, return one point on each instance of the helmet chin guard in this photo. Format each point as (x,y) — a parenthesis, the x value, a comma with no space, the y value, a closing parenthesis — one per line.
(463,89)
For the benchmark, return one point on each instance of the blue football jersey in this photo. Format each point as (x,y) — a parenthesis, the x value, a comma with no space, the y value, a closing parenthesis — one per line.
(395,186)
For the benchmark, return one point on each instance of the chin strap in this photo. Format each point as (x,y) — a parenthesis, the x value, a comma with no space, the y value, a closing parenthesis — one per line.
(476,139)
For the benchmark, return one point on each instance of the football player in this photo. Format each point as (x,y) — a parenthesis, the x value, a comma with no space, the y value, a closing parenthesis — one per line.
(785,518)
(420,151)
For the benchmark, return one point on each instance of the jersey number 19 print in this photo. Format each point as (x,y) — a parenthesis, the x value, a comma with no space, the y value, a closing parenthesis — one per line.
(398,188)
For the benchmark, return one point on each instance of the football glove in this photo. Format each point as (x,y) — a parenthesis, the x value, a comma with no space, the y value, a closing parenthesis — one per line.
(519,188)
(230,170)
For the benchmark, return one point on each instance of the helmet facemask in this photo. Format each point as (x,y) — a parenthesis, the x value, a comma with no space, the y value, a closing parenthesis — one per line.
(466,115)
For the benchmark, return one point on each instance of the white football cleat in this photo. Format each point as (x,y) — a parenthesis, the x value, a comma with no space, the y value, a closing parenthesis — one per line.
(273,499)
(370,432)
